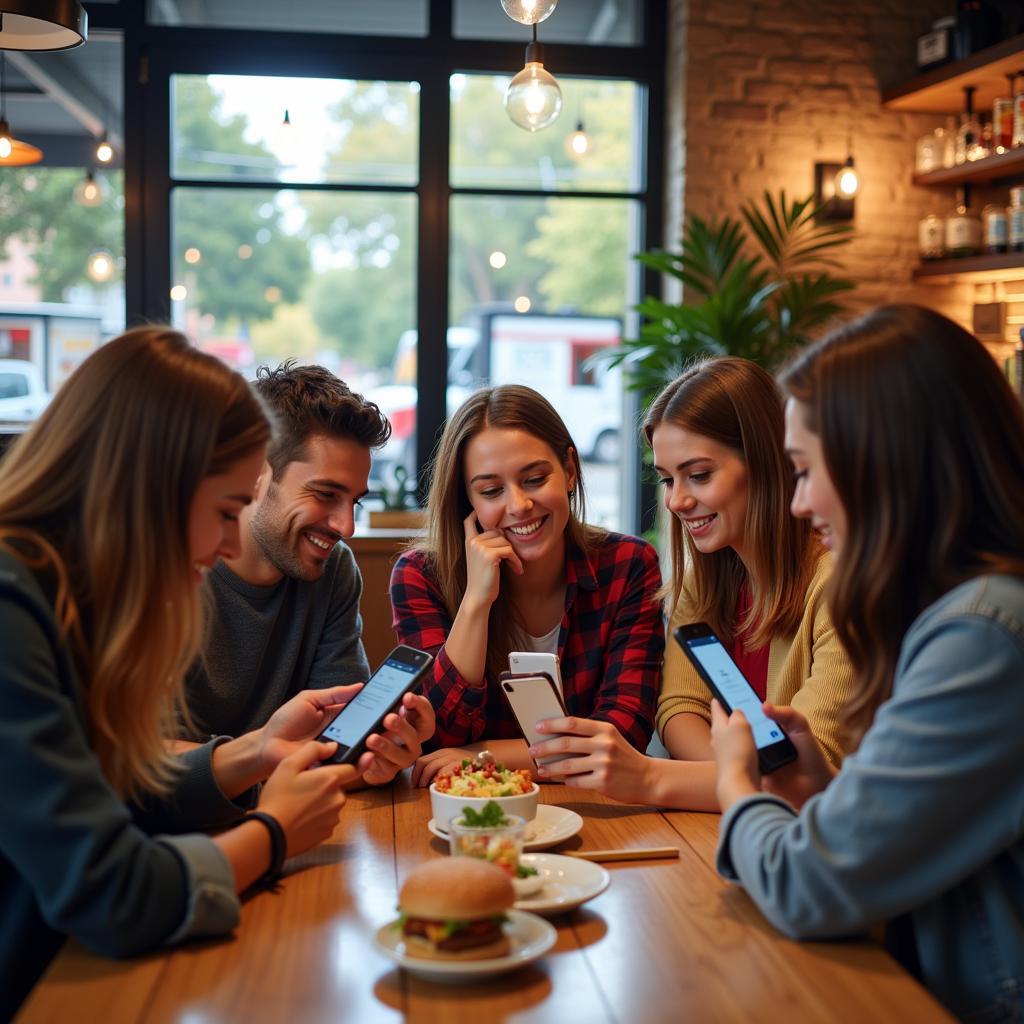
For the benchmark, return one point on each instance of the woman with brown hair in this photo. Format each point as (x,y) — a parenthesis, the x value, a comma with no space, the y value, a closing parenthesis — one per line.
(510,564)
(909,451)
(742,564)
(112,507)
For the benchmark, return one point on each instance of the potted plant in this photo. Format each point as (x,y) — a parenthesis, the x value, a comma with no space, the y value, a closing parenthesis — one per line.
(755,288)
(400,511)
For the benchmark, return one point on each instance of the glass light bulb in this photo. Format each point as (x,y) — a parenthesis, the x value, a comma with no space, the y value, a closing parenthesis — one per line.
(533,98)
(577,145)
(847,182)
(88,192)
(5,147)
(529,12)
(104,152)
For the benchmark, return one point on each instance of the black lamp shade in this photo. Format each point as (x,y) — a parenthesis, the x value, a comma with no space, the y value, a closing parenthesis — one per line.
(42,24)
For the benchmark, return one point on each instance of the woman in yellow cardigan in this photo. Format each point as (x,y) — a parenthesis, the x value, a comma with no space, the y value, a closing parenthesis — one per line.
(740,562)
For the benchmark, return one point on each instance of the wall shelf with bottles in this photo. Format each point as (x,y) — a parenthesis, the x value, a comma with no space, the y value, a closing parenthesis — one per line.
(941,91)
(1005,266)
(998,167)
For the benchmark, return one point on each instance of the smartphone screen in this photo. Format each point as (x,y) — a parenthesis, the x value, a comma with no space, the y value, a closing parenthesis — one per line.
(383,691)
(731,687)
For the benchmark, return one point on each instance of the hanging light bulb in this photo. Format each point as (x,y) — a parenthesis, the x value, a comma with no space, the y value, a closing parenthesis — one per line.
(104,150)
(13,152)
(100,265)
(89,192)
(529,12)
(847,181)
(533,98)
(578,144)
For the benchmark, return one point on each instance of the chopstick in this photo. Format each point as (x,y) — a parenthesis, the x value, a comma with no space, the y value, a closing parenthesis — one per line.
(640,853)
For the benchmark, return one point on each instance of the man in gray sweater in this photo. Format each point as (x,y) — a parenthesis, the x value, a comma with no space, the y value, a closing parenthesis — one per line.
(285,613)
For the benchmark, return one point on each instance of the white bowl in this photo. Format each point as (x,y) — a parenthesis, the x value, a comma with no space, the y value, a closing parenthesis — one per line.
(445,807)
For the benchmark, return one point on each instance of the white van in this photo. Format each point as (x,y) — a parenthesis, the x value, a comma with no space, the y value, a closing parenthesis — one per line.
(22,394)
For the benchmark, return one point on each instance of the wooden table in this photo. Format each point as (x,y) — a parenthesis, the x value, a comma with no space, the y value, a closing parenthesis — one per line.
(667,941)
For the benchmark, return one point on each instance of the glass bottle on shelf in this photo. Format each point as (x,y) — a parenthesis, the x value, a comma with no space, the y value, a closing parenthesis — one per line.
(995,225)
(968,136)
(1015,218)
(963,228)
(1002,120)
(930,151)
(1018,109)
(931,237)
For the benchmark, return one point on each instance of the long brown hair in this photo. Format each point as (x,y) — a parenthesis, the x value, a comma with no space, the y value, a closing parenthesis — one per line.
(737,404)
(96,497)
(924,442)
(508,407)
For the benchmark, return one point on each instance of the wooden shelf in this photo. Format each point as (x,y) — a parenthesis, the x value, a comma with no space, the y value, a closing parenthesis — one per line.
(1006,266)
(977,172)
(941,91)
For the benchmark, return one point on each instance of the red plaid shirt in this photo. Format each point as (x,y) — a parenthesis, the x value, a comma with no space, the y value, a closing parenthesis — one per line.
(610,645)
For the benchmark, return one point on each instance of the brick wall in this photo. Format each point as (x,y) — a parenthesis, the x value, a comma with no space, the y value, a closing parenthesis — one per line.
(761,90)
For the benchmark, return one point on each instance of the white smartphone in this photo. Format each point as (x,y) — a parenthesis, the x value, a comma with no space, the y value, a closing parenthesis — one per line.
(532,698)
(534,662)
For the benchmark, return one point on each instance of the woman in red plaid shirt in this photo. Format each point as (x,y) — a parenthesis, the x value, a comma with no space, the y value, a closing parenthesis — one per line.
(509,564)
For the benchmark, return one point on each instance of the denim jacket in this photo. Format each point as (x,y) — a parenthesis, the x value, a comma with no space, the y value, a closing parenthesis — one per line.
(925,819)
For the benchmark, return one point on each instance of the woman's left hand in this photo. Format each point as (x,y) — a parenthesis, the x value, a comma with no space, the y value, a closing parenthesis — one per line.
(602,759)
(429,765)
(301,719)
(735,756)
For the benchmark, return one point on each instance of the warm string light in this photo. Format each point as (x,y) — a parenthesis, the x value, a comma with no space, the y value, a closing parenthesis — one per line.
(89,192)
(578,144)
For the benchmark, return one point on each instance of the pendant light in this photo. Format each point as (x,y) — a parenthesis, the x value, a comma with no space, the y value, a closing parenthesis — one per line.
(847,180)
(578,144)
(529,12)
(42,24)
(13,152)
(104,150)
(88,192)
(533,98)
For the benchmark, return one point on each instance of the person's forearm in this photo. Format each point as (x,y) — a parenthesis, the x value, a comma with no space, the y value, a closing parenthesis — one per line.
(511,753)
(687,737)
(683,785)
(237,765)
(466,645)
(247,848)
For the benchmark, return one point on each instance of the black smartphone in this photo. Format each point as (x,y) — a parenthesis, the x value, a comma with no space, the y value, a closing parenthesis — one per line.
(734,692)
(401,672)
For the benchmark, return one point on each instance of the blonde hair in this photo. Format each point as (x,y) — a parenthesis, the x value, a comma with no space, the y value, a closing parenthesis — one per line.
(95,498)
(507,407)
(736,403)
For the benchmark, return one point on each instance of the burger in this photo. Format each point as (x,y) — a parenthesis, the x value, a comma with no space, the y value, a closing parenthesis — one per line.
(453,909)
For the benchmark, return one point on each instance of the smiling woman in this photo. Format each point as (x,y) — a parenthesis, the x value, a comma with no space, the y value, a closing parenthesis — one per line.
(508,564)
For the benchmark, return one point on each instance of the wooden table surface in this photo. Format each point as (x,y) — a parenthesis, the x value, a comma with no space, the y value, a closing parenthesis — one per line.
(667,941)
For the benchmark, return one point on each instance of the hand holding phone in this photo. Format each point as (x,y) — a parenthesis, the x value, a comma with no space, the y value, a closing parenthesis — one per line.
(733,691)
(401,672)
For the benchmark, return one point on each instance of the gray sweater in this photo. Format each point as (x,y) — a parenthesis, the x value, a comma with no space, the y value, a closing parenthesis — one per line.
(266,644)
(74,859)
(926,819)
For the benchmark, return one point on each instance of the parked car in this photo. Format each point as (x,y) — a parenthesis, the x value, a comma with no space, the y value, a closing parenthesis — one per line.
(22,394)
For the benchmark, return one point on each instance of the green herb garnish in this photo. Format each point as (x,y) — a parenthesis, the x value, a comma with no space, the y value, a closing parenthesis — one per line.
(522,871)
(489,816)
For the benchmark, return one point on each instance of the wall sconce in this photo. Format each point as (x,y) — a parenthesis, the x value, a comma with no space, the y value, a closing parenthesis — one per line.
(832,203)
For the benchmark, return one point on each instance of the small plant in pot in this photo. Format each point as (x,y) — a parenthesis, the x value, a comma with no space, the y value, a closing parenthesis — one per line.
(400,511)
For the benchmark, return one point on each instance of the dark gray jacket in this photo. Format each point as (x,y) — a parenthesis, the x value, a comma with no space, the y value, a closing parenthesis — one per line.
(74,859)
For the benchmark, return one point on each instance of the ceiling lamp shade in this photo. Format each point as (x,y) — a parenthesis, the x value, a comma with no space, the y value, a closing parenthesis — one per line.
(14,152)
(42,24)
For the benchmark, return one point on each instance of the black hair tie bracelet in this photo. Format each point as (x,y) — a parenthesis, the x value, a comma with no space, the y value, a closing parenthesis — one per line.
(278,846)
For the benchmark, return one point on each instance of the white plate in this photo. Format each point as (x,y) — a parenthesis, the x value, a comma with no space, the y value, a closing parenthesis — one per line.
(553,825)
(568,882)
(531,937)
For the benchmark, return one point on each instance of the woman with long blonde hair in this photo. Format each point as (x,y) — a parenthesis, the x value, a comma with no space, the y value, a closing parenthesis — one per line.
(112,507)
(741,563)
(510,564)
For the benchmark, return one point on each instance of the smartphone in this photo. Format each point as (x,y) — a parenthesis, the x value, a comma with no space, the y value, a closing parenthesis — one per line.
(734,692)
(536,663)
(532,698)
(401,672)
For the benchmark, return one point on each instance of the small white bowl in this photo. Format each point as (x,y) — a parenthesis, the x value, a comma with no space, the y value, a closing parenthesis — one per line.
(445,807)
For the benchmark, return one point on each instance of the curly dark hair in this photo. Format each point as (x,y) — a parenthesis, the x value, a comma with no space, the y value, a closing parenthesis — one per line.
(308,400)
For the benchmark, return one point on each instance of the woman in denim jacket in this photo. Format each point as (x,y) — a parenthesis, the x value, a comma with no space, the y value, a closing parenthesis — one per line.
(909,454)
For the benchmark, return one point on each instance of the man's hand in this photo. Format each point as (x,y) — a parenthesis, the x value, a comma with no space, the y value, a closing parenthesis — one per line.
(301,719)
(402,742)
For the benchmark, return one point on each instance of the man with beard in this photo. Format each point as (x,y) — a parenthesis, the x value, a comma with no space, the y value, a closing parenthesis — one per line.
(285,612)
